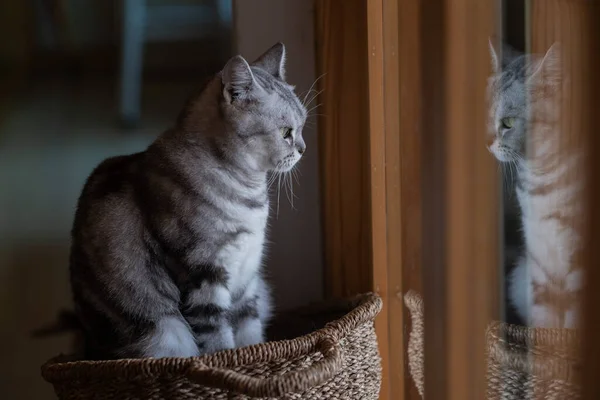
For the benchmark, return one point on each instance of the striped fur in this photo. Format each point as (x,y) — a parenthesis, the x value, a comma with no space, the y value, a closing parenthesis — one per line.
(168,243)
(545,285)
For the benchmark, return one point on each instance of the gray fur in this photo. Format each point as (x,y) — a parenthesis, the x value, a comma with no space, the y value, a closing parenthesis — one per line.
(513,92)
(168,243)
(508,98)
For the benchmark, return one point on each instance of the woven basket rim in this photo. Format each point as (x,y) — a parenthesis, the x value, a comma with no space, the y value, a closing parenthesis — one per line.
(547,353)
(365,308)
(540,337)
(547,358)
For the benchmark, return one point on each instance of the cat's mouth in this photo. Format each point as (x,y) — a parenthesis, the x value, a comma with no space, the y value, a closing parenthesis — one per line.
(287,163)
(502,152)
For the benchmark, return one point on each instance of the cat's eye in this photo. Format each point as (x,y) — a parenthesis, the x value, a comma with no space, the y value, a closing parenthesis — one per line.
(286,132)
(508,123)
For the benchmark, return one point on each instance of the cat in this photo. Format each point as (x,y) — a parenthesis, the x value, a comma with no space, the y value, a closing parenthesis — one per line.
(524,120)
(167,244)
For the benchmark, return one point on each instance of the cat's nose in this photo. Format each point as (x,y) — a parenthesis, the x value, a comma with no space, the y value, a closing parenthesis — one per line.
(301,148)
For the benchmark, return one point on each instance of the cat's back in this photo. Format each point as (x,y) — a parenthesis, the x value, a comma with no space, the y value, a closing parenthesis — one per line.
(108,197)
(112,177)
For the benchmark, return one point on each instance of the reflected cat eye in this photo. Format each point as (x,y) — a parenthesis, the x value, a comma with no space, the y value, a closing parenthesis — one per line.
(507,123)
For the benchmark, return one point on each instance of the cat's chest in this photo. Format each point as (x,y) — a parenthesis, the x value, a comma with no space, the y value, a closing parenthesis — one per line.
(225,216)
(548,235)
(242,257)
(241,242)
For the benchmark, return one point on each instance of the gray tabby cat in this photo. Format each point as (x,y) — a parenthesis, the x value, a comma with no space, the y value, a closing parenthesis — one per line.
(168,243)
(525,97)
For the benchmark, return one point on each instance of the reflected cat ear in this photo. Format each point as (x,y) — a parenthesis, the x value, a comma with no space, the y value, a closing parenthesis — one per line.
(494,56)
(547,71)
(504,58)
(237,78)
(273,61)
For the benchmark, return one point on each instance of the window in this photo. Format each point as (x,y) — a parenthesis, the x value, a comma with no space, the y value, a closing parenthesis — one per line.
(412,200)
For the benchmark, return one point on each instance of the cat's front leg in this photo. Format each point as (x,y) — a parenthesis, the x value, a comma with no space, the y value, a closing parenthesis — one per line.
(520,290)
(249,329)
(251,314)
(207,307)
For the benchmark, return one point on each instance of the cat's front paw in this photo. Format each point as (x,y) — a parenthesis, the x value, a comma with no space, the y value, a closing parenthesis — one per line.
(249,332)
(222,339)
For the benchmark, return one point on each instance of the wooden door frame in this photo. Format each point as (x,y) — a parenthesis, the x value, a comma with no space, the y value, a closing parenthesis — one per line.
(591,311)
(362,117)
(396,185)
(341,40)
(398,199)
(398,167)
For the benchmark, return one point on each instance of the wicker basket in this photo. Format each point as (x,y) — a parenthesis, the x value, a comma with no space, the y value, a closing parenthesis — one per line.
(523,363)
(339,360)
(532,363)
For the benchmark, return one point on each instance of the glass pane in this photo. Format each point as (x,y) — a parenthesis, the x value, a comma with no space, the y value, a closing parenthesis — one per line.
(538,116)
(535,119)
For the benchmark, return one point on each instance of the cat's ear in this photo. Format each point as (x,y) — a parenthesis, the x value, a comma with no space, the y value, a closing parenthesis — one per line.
(238,80)
(273,61)
(548,70)
(494,56)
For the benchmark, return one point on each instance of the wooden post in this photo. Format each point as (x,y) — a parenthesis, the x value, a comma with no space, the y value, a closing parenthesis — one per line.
(344,145)
(460,198)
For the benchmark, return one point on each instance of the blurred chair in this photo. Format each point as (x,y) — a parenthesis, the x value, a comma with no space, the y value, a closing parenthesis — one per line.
(144,21)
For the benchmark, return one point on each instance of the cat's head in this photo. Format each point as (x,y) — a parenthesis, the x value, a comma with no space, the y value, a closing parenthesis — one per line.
(261,112)
(518,87)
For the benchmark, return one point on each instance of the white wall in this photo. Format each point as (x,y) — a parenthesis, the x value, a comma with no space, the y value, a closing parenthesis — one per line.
(295,255)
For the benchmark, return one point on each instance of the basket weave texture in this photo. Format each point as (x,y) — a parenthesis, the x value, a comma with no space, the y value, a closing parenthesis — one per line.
(532,363)
(523,363)
(339,361)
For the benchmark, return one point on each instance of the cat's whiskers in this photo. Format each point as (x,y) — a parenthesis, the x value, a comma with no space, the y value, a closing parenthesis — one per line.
(295,174)
(291,176)
(311,93)
(274,175)
(517,160)
(313,108)
(271,179)
(278,192)
(288,184)
(311,89)
(513,172)
(305,93)
(502,171)
(313,98)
